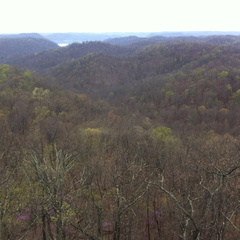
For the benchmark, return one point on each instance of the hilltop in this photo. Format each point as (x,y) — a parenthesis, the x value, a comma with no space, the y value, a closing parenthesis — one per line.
(21,35)
(11,47)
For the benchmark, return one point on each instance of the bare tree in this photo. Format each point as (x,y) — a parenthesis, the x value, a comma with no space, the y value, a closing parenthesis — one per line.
(51,170)
(198,182)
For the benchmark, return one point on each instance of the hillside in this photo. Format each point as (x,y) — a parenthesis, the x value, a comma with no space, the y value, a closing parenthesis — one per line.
(110,70)
(170,77)
(22,35)
(44,61)
(176,78)
(131,40)
(12,48)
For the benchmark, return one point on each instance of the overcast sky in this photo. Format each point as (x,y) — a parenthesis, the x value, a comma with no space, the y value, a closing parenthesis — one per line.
(118,15)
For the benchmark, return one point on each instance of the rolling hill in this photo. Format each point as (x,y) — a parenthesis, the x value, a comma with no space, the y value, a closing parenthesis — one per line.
(12,48)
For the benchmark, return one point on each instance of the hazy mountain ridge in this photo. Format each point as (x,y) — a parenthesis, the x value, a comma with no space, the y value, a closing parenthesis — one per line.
(21,35)
(216,39)
(114,47)
(18,47)
(68,38)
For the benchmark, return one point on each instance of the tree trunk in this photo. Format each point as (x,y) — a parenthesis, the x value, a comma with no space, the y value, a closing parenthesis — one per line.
(44,236)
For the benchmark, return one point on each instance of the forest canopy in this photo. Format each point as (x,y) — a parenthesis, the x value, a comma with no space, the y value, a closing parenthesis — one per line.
(139,140)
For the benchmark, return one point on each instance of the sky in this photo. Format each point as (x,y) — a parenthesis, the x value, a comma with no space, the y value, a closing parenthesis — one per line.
(45,16)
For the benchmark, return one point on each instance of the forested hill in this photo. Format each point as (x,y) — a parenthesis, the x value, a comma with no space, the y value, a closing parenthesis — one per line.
(186,84)
(177,79)
(102,69)
(143,41)
(12,48)
(43,61)
(108,68)
(22,35)
(113,47)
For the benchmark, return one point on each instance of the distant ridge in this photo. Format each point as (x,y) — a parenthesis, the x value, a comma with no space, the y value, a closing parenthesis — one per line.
(72,37)
(22,35)
(143,41)
(21,46)
(119,47)
(68,38)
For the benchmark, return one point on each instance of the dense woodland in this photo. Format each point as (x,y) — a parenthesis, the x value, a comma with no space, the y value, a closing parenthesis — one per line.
(123,140)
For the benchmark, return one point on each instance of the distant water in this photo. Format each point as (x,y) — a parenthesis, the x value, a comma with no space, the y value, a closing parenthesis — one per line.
(63,44)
